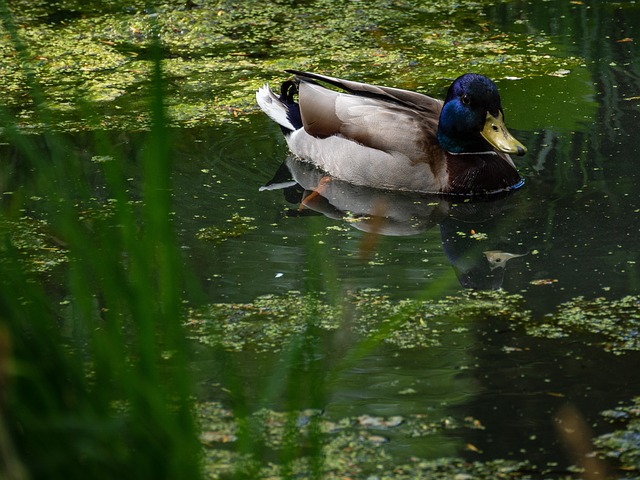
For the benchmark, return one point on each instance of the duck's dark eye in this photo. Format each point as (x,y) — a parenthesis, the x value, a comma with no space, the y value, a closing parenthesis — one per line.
(466,99)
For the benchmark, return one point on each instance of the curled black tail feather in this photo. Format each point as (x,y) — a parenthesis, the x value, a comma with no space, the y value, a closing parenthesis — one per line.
(287,90)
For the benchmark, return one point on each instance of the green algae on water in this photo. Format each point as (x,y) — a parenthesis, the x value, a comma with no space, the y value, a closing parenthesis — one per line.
(352,447)
(622,445)
(38,250)
(94,63)
(237,226)
(613,325)
(270,321)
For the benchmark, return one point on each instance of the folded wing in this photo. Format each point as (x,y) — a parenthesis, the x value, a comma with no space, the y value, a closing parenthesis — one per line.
(386,119)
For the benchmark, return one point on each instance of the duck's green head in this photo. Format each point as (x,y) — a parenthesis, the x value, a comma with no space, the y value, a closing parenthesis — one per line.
(472,120)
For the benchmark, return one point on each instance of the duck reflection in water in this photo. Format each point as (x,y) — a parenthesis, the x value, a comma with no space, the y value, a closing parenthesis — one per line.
(469,228)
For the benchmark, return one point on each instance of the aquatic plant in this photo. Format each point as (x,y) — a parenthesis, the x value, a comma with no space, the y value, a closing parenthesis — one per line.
(91,59)
(107,332)
(611,324)
(623,444)
(265,324)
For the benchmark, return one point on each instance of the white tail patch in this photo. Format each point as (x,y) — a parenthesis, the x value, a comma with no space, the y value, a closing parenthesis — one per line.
(272,106)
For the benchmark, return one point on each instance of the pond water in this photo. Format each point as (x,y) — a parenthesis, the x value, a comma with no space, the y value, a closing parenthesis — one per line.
(571,231)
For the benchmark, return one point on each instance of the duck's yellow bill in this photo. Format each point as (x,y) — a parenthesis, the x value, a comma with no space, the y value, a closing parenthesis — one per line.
(495,132)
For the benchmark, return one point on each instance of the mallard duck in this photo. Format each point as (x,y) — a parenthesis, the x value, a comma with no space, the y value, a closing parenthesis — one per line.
(396,139)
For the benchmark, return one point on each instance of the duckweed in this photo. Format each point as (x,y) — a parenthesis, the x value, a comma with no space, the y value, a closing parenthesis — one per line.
(611,324)
(623,445)
(94,66)
(352,447)
(238,226)
(267,323)
(264,324)
(38,250)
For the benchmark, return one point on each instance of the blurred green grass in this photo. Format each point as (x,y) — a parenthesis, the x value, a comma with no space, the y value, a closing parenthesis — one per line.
(94,362)
(114,398)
